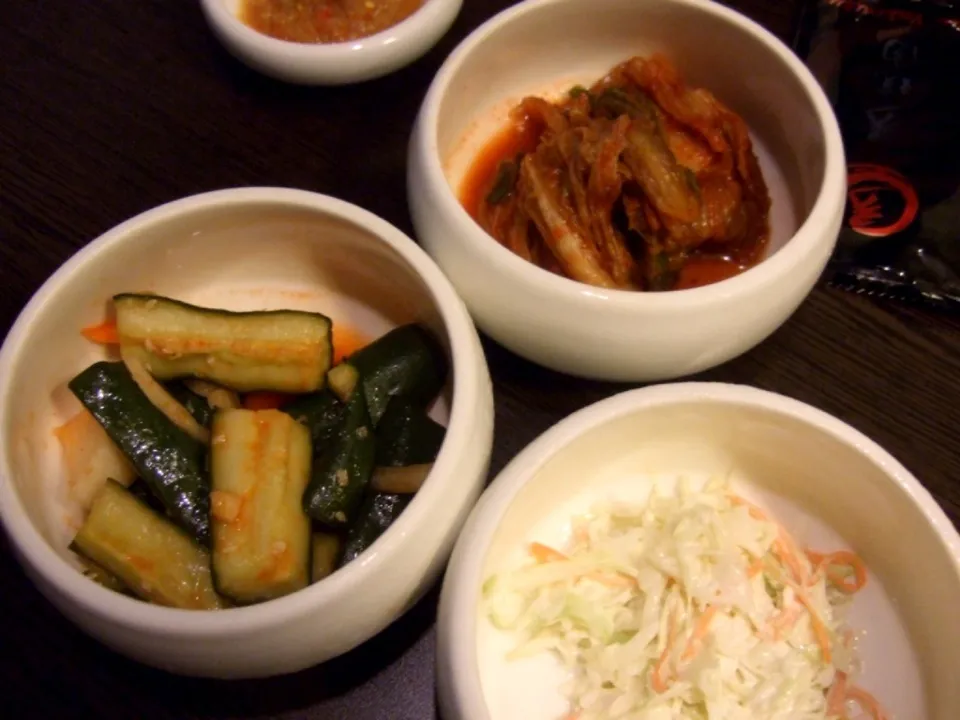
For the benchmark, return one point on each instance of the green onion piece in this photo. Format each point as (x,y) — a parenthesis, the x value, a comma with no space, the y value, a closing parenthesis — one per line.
(505,182)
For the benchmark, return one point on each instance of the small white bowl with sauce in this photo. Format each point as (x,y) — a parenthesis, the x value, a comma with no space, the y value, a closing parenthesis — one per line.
(546,47)
(826,483)
(334,63)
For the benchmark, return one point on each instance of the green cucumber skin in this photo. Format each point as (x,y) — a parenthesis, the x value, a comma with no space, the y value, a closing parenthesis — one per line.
(378,513)
(99,574)
(147,552)
(171,462)
(406,362)
(140,490)
(407,436)
(216,312)
(321,413)
(240,370)
(332,499)
(197,406)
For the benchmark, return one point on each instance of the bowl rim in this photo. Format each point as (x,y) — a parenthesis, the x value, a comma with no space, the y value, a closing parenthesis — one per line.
(465,355)
(458,666)
(807,240)
(427,21)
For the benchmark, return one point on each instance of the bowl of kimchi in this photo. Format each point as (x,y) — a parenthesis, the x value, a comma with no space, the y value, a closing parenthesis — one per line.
(633,190)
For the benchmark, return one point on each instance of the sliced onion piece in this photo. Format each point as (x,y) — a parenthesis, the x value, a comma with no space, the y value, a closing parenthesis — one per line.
(164,401)
(400,480)
(218,397)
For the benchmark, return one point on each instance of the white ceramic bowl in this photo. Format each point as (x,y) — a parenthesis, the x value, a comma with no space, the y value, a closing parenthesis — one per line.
(825,481)
(331,63)
(241,249)
(546,46)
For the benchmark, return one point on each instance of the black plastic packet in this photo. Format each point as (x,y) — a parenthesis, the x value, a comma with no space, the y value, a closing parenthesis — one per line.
(892,71)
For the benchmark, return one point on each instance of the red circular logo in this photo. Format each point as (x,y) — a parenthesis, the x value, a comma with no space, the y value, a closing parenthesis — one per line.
(881,201)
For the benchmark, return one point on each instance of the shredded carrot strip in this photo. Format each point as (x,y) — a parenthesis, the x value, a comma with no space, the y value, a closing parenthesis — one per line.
(794,558)
(699,633)
(784,546)
(755,512)
(755,567)
(544,553)
(867,702)
(264,400)
(657,680)
(816,560)
(660,685)
(103,334)
(783,550)
(819,629)
(786,550)
(614,580)
(841,558)
(843,584)
(837,696)
(784,621)
(346,341)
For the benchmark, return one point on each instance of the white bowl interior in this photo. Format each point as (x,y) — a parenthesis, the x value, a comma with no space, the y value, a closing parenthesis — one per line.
(253,255)
(825,489)
(546,48)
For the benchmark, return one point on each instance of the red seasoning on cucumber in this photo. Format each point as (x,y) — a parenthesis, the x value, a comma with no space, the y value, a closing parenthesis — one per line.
(281,350)
(146,552)
(171,462)
(260,465)
(259,468)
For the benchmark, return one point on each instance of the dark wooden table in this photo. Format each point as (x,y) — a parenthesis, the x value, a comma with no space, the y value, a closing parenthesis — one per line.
(109,108)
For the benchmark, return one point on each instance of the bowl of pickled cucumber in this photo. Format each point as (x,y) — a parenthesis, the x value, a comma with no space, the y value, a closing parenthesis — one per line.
(241,432)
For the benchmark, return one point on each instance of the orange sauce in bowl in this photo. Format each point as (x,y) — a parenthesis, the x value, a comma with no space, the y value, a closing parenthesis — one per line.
(698,271)
(520,136)
(346,341)
(325,21)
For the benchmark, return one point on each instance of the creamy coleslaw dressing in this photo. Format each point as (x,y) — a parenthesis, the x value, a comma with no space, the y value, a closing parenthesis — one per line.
(530,688)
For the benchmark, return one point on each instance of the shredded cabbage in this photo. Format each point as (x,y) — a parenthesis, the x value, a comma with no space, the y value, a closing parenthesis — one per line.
(695,605)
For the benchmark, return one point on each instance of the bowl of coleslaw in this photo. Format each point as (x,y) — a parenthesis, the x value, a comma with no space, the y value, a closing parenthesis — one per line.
(702,550)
